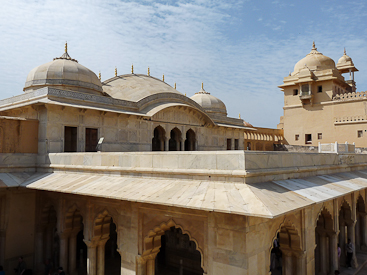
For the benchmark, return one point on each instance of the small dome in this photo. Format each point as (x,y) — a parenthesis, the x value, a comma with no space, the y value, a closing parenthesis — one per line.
(315,61)
(63,72)
(209,103)
(345,63)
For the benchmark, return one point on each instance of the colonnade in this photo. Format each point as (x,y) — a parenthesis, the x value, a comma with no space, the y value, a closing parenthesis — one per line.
(173,142)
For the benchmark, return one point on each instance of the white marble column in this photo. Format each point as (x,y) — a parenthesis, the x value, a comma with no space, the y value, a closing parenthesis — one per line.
(323,254)
(166,146)
(64,250)
(101,256)
(287,262)
(141,268)
(333,253)
(342,243)
(301,263)
(72,253)
(364,231)
(91,257)
(151,264)
(352,235)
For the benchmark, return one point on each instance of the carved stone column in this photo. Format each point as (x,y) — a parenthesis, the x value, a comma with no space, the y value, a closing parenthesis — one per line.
(91,257)
(301,263)
(151,263)
(166,144)
(141,268)
(333,253)
(64,250)
(323,254)
(73,253)
(287,262)
(364,231)
(352,236)
(101,256)
(342,242)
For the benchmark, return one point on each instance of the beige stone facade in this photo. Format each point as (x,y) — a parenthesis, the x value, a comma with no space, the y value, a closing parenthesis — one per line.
(321,103)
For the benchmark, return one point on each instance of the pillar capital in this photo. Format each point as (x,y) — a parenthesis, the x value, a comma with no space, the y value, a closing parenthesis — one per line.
(102,241)
(91,243)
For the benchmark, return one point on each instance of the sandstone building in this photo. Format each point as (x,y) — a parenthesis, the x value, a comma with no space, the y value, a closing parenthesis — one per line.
(129,176)
(321,105)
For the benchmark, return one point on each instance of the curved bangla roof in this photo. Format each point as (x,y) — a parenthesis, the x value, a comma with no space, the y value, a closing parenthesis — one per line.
(135,87)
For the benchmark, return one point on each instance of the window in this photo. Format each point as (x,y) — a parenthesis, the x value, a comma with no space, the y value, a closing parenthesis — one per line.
(236,144)
(319,89)
(229,144)
(360,133)
(308,139)
(91,139)
(70,139)
(295,92)
(248,145)
(319,136)
(305,89)
(296,137)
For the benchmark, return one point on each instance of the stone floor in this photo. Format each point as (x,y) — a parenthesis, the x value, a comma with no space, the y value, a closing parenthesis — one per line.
(362,268)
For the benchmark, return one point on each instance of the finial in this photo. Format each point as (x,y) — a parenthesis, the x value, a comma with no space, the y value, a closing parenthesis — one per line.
(175,85)
(66,46)
(185,94)
(132,68)
(115,71)
(313,45)
(163,78)
(290,73)
(148,71)
(202,85)
(345,52)
(99,75)
(239,115)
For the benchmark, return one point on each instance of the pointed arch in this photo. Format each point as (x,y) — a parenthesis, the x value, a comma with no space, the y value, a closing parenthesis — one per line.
(152,242)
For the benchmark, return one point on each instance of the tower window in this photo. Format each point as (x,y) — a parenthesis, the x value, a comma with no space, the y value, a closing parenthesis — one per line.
(308,139)
(360,133)
(319,136)
(296,137)
(295,92)
(319,89)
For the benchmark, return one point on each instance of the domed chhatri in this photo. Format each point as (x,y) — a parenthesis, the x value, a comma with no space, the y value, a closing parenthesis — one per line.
(64,73)
(210,103)
(345,64)
(315,61)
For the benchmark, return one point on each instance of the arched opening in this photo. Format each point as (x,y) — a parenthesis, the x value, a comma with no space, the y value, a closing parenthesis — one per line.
(175,140)
(112,256)
(190,141)
(361,233)
(158,140)
(50,238)
(74,259)
(105,258)
(346,232)
(178,255)
(326,244)
(286,256)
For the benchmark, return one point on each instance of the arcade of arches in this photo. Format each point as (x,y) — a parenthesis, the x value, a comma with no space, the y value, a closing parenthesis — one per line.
(90,235)
(175,140)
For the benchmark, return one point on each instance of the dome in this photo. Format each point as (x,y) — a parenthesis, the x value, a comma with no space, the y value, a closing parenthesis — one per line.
(63,72)
(209,103)
(315,61)
(247,124)
(135,87)
(345,64)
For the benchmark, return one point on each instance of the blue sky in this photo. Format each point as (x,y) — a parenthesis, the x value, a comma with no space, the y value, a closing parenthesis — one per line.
(241,50)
